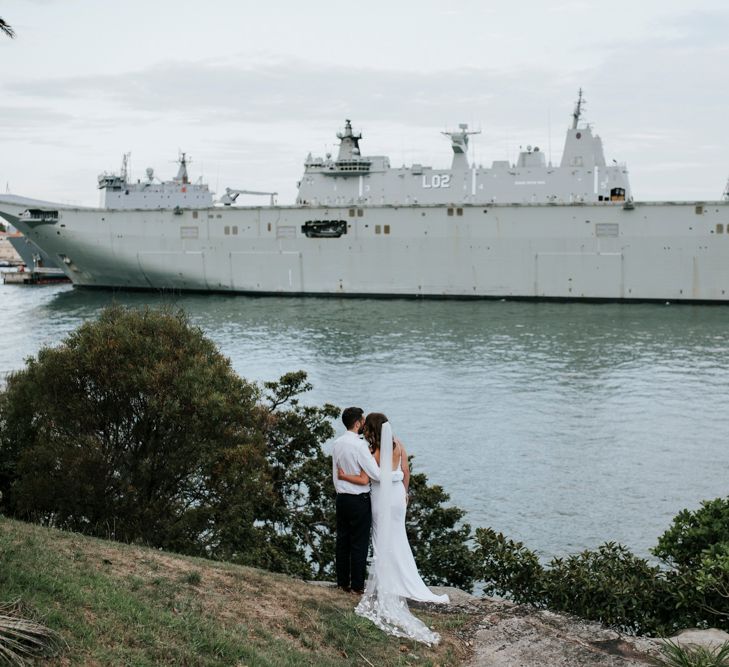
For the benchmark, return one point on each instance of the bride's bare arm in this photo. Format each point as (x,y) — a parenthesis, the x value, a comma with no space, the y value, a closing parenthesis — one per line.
(405,470)
(404,466)
(360,479)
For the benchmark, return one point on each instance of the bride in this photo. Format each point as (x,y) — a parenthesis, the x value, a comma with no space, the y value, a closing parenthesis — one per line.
(394,575)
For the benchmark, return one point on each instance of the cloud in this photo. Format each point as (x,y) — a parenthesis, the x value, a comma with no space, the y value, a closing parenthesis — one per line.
(286,89)
(699,29)
(30,117)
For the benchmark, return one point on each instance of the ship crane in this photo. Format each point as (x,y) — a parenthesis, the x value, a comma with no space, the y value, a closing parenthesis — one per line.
(231,195)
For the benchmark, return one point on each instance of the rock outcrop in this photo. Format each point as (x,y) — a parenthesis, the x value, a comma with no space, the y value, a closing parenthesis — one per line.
(505,634)
(711,638)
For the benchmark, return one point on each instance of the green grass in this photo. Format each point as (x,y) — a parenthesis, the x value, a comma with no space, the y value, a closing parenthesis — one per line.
(115,604)
(675,655)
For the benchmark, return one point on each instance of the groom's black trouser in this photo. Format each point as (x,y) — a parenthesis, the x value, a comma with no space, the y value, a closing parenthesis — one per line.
(354,520)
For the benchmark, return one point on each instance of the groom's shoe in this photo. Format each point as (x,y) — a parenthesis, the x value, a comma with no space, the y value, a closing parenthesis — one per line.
(346,589)
(356,591)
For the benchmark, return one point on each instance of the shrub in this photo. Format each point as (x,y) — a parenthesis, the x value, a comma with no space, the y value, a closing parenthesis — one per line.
(508,568)
(712,582)
(693,532)
(613,586)
(609,585)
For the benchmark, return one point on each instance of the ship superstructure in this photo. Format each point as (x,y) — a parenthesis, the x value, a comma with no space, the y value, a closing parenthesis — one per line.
(582,175)
(118,192)
(527,229)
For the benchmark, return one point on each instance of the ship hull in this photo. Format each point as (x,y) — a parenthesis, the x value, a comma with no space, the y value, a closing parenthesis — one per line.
(607,251)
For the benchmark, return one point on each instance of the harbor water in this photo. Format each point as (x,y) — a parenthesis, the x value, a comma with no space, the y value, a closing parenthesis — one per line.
(563,425)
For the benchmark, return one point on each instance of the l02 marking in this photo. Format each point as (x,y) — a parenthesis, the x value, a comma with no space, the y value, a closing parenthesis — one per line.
(436,181)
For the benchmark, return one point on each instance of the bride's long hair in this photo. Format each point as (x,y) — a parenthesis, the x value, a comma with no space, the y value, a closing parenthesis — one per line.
(373,429)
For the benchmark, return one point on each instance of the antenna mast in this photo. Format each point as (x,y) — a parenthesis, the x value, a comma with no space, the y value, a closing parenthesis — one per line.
(578,110)
(549,134)
(125,168)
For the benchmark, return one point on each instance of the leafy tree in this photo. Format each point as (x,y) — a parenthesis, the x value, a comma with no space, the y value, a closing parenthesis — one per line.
(298,523)
(131,429)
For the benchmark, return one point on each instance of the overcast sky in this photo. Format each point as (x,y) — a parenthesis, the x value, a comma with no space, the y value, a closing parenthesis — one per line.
(249,88)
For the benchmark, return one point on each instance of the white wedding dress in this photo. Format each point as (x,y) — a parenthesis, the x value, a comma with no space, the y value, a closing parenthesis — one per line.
(393,575)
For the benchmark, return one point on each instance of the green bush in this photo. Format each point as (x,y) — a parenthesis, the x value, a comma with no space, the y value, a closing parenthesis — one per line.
(712,582)
(508,569)
(615,587)
(610,585)
(692,533)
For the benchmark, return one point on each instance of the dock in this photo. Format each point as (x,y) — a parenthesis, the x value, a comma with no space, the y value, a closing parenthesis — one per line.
(38,276)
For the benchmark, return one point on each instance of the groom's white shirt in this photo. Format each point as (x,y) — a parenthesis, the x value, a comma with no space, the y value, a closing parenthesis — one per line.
(351,454)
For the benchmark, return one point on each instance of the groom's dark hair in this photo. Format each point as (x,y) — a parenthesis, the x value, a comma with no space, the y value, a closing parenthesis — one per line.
(351,416)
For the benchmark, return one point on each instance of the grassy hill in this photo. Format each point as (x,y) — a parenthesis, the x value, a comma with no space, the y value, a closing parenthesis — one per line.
(116,604)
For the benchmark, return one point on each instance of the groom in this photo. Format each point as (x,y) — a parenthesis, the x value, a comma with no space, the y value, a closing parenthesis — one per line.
(354,513)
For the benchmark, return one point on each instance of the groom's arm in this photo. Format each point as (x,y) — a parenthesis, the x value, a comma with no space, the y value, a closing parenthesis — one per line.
(367,462)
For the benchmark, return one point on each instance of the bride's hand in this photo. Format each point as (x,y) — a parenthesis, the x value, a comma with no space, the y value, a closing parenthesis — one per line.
(340,473)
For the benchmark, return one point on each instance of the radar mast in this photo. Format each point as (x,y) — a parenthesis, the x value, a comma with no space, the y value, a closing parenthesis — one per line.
(577,113)
(182,176)
(459,144)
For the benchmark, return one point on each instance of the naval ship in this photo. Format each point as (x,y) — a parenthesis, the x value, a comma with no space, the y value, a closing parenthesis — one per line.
(360,227)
